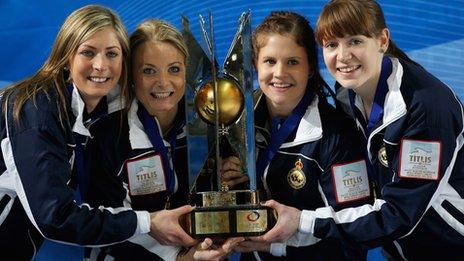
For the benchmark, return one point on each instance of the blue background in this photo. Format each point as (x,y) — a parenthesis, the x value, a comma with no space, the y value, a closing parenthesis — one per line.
(431,32)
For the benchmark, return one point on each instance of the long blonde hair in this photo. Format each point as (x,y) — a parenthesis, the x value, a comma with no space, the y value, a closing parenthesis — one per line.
(78,27)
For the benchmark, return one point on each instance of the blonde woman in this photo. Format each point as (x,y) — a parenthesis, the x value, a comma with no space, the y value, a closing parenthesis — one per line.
(45,123)
(144,165)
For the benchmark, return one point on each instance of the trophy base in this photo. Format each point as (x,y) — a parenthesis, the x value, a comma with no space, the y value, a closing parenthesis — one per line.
(227,214)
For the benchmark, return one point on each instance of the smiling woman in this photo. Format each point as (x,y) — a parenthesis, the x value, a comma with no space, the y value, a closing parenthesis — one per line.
(96,66)
(412,126)
(44,129)
(305,146)
(159,78)
(283,71)
(143,164)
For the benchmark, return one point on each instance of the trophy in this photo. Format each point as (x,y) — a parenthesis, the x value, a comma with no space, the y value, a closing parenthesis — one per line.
(219,108)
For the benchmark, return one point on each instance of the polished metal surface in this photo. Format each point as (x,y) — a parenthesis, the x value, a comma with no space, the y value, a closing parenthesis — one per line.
(219,105)
(220,124)
(230,102)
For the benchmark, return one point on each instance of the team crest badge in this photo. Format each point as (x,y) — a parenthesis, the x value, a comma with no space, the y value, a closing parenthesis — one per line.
(383,156)
(296,177)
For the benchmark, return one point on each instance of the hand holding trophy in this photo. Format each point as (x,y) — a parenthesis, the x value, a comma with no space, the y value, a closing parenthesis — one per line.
(221,148)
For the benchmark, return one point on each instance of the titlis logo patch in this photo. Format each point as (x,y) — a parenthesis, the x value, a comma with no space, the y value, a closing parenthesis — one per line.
(146,173)
(420,156)
(352,178)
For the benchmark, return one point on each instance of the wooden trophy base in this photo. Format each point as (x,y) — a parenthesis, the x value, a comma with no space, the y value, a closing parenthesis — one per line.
(225,214)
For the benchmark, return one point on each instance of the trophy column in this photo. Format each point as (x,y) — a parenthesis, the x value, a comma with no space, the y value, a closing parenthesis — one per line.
(219,107)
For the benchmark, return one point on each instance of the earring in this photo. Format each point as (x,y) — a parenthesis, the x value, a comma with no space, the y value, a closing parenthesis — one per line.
(381,50)
(66,68)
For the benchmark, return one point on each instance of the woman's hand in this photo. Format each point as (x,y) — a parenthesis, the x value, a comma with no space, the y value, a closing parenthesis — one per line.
(165,227)
(288,221)
(206,250)
(231,172)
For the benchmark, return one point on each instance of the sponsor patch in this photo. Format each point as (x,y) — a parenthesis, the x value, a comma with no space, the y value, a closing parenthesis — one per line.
(146,175)
(350,181)
(420,159)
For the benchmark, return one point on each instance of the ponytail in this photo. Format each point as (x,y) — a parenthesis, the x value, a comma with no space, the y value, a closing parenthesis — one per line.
(394,51)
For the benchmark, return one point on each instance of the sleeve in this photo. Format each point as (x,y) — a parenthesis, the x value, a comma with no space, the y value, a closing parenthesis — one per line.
(409,191)
(278,249)
(163,251)
(38,156)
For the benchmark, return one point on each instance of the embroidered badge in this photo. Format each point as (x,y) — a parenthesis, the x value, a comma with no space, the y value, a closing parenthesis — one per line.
(420,159)
(145,175)
(383,156)
(350,181)
(296,177)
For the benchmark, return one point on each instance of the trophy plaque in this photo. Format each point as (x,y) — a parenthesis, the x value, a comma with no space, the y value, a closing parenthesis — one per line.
(219,108)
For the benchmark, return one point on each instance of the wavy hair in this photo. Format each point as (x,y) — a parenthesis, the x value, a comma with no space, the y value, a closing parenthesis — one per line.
(78,27)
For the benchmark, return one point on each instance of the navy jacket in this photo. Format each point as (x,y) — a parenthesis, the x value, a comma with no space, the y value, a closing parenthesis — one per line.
(113,155)
(325,143)
(418,164)
(35,199)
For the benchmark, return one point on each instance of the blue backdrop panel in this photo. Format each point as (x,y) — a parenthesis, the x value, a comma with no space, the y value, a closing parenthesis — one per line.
(432,32)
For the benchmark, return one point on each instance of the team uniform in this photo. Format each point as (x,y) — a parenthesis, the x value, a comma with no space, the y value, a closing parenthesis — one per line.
(319,164)
(38,155)
(128,172)
(414,148)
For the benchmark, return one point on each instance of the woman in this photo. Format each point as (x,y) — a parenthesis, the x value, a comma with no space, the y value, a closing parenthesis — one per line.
(413,126)
(42,118)
(304,146)
(144,164)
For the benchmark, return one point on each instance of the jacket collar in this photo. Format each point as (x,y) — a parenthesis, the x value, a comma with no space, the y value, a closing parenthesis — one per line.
(394,105)
(137,135)
(78,106)
(309,129)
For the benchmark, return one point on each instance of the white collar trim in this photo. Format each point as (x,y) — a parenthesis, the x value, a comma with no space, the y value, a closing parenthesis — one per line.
(310,127)
(78,106)
(394,105)
(137,136)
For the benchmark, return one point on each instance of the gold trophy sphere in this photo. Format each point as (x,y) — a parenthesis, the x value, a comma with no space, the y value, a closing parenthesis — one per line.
(230,102)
